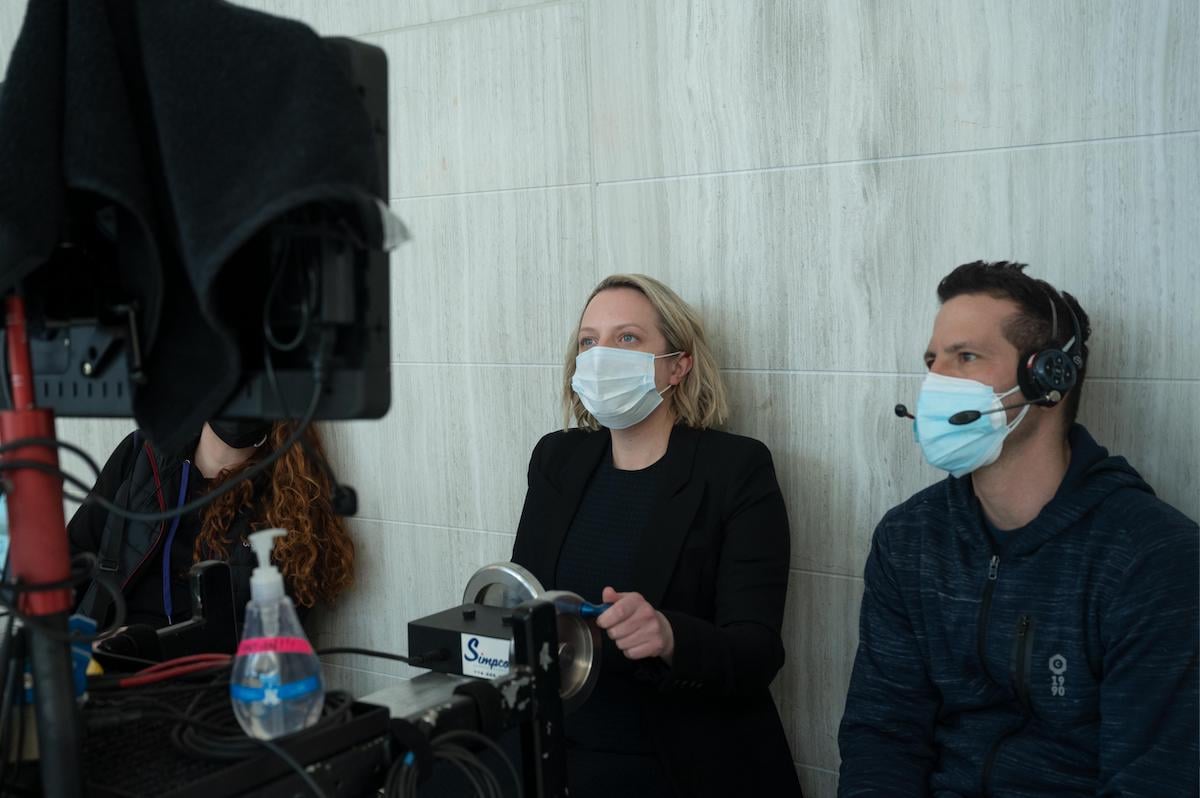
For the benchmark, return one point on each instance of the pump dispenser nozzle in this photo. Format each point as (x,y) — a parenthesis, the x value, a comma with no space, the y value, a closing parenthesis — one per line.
(266,584)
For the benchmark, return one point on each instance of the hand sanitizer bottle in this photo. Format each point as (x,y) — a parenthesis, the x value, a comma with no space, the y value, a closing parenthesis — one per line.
(276,684)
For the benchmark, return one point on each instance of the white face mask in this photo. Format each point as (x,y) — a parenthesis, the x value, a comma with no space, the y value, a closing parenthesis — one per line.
(617,385)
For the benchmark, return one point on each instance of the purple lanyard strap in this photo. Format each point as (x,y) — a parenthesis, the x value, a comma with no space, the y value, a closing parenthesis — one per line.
(166,552)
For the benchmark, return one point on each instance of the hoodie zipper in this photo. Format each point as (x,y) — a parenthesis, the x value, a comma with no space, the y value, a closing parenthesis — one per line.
(985,607)
(1022,653)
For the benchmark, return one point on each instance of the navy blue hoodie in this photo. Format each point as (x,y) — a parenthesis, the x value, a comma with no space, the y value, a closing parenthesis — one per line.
(1057,660)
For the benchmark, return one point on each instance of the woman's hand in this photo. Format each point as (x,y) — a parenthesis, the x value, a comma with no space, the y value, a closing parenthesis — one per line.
(639,630)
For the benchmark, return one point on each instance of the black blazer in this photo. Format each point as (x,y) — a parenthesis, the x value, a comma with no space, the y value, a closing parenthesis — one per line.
(714,561)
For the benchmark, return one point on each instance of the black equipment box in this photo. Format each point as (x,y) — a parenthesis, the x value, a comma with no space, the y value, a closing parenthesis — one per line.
(471,640)
(133,760)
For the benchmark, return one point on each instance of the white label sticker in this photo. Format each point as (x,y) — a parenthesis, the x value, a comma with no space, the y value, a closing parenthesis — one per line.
(485,657)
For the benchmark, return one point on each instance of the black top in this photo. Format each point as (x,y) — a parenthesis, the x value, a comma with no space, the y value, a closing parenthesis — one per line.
(714,561)
(145,479)
(600,550)
(144,596)
(602,543)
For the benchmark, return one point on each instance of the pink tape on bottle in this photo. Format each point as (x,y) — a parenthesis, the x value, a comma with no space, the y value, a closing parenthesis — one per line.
(277,645)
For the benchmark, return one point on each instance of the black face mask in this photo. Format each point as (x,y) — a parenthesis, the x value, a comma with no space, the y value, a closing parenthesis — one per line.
(241,433)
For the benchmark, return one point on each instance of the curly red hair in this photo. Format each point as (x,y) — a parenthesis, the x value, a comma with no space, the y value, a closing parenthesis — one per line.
(316,557)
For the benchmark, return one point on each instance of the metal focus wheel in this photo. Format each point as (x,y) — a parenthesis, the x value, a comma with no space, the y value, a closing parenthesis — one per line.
(507,584)
(578,649)
(502,584)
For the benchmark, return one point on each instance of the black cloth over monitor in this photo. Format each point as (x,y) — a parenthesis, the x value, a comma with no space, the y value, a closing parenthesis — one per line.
(187,127)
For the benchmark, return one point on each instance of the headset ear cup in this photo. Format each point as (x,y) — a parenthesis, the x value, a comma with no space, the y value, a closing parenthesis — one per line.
(1053,371)
(1027,379)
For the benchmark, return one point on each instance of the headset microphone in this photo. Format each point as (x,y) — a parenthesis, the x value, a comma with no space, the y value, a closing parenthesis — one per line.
(967,416)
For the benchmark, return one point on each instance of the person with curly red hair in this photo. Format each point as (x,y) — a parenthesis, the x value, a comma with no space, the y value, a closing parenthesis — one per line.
(151,561)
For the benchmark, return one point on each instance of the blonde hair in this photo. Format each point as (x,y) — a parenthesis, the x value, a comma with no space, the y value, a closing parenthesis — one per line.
(699,399)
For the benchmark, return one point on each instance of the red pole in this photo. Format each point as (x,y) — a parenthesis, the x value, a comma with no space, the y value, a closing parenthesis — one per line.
(38,552)
(18,354)
(38,547)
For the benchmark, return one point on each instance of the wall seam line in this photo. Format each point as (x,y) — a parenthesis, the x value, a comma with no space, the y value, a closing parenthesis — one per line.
(811,166)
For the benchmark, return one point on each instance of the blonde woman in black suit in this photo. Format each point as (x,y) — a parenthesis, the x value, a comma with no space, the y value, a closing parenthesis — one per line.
(683,530)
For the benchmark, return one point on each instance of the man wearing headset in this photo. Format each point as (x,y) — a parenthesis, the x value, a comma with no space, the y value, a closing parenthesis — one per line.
(1029,624)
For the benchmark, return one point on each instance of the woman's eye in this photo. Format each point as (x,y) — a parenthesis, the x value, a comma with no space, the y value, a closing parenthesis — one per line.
(584,343)
(628,338)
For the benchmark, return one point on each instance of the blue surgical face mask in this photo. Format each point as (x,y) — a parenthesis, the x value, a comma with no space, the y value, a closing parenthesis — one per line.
(617,385)
(961,448)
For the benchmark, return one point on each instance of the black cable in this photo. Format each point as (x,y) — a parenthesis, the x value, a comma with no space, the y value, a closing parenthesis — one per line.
(6,652)
(488,742)
(4,381)
(111,682)
(11,685)
(9,600)
(490,780)
(395,785)
(342,498)
(437,655)
(487,778)
(292,763)
(195,504)
(21,712)
(86,566)
(18,657)
(202,734)
(217,679)
(104,693)
(475,783)
(183,720)
(250,473)
(138,661)
(230,742)
(411,782)
(128,703)
(7,647)
(402,776)
(53,443)
(305,307)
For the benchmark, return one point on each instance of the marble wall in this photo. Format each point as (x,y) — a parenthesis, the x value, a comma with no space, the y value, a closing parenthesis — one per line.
(804,173)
